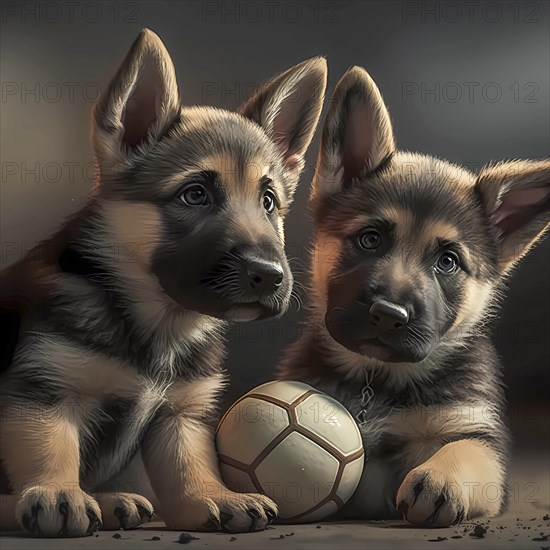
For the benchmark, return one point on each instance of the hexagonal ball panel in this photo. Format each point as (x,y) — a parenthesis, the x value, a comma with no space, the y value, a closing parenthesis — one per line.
(248,427)
(331,421)
(297,474)
(285,390)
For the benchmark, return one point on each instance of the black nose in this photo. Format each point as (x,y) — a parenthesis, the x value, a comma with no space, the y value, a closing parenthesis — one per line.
(389,316)
(263,277)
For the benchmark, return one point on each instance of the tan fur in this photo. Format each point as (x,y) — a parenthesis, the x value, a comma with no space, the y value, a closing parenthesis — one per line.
(241,180)
(325,254)
(197,398)
(471,474)
(425,429)
(404,227)
(179,462)
(432,230)
(133,230)
(39,446)
(403,219)
(477,295)
(180,459)
(424,432)
(85,373)
(40,453)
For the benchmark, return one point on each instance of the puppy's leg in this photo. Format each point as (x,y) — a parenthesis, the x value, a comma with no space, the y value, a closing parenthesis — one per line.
(40,452)
(462,480)
(181,461)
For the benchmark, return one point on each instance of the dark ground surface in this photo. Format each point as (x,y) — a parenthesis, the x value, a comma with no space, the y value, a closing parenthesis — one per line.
(526,525)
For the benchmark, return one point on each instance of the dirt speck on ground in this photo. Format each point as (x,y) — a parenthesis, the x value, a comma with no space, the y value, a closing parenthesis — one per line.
(186,538)
(479,531)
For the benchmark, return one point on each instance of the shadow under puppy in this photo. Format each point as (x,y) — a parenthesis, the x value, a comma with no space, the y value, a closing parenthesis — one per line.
(116,323)
(409,260)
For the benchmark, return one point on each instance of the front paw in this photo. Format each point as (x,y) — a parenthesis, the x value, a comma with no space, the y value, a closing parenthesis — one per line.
(124,510)
(234,512)
(48,511)
(242,512)
(432,497)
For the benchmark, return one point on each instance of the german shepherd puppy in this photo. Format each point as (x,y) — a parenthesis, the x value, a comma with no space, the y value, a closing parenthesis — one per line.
(409,260)
(116,322)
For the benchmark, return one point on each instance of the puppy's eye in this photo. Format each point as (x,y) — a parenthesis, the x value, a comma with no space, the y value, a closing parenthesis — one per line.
(447,263)
(369,239)
(195,194)
(269,202)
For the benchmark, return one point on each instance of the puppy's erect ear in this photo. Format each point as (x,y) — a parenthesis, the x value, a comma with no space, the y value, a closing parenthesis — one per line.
(516,197)
(288,109)
(357,136)
(139,104)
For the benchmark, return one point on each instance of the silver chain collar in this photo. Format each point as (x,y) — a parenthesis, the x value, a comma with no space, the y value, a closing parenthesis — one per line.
(367,394)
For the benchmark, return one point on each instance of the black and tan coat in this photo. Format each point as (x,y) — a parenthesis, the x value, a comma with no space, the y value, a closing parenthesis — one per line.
(114,327)
(409,261)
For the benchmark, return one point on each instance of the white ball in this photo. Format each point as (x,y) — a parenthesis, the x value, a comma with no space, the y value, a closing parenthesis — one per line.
(295,444)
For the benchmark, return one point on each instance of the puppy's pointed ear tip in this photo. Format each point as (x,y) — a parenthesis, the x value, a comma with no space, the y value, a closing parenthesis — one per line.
(316,70)
(358,78)
(149,37)
(146,32)
(316,65)
(357,73)
(319,61)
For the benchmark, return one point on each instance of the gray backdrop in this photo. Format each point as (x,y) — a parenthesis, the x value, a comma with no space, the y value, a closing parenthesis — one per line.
(468,81)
